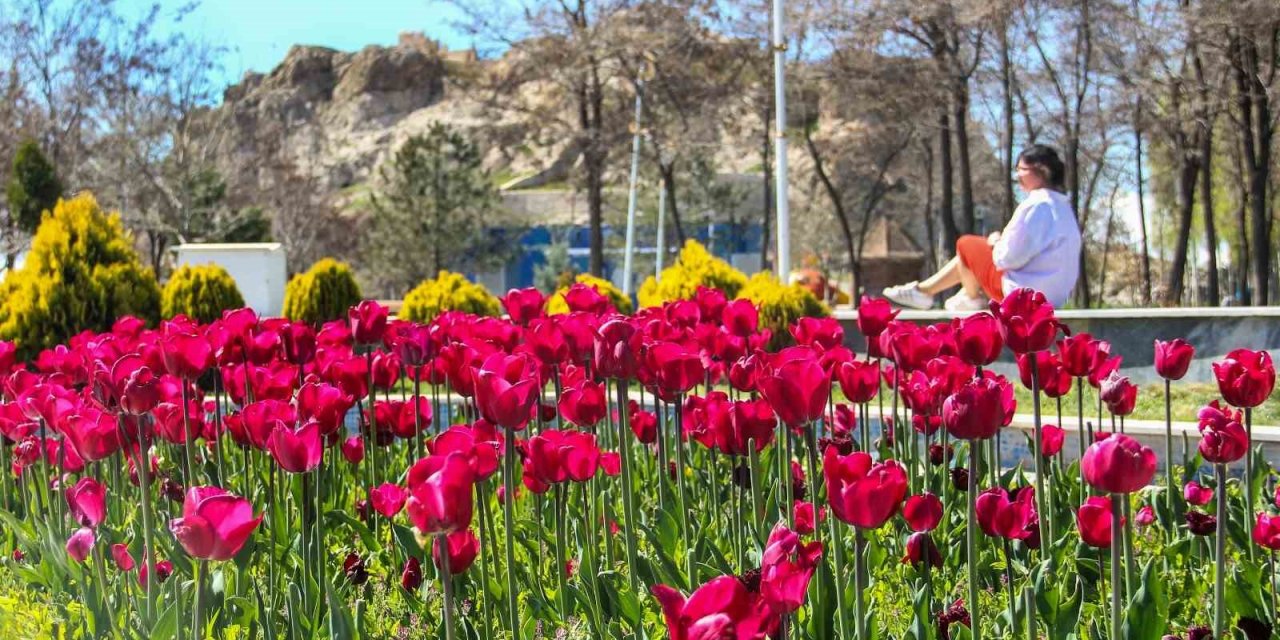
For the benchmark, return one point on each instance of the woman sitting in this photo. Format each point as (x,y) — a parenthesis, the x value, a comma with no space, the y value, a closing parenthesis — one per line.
(1039,248)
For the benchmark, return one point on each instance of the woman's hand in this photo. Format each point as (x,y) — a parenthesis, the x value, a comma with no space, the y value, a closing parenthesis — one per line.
(993,238)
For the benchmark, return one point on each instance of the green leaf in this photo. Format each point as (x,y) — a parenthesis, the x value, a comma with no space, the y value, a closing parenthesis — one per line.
(167,625)
(921,623)
(407,541)
(369,540)
(1147,615)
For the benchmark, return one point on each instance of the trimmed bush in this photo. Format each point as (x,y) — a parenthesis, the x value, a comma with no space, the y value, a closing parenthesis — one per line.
(695,267)
(781,305)
(323,293)
(200,292)
(449,291)
(556,303)
(81,273)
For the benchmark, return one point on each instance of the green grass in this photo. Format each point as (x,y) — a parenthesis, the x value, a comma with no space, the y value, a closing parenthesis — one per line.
(1187,399)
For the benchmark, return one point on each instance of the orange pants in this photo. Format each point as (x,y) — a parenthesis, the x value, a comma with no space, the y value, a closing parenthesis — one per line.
(975,254)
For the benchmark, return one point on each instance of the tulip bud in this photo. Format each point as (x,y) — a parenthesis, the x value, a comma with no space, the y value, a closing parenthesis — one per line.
(120,553)
(411,576)
(354,568)
(1200,523)
(1199,633)
(172,489)
(960,479)
(920,548)
(18,555)
(80,544)
(1145,516)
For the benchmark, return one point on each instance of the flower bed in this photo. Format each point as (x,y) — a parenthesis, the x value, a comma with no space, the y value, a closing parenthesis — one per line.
(596,475)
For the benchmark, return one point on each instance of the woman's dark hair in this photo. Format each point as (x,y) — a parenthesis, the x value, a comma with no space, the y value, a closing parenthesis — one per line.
(1046,160)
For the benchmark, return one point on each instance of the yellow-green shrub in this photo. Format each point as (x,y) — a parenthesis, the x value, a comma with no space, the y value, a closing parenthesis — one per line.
(557,305)
(323,293)
(695,267)
(781,305)
(200,292)
(81,273)
(449,291)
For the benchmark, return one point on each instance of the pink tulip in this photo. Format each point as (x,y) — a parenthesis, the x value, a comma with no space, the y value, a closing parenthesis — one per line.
(80,544)
(215,524)
(796,386)
(1117,463)
(87,501)
(353,449)
(786,568)
(1245,378)
(862,492)
(1173,358)
(1027,322)
(506,388)
(120,553)
(442,502)
(978,338)
(368,321)
(462,546)
(297,450)
(523,305)
(922,512)
(388,499)
(1094,521)
(1196,494)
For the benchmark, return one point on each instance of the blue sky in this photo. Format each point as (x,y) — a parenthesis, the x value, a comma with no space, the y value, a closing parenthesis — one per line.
(258,33)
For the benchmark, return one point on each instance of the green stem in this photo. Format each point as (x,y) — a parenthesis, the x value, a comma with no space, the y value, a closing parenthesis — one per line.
(971,539)
(143,463)
(757,497)
(1117,536)
(446,581)
(1168,449)
(1035,403)
(1013,597)
(683,505)
(1248,482)
(1219,556)
(859,585)
(562,587)
(482,499)
(197,620)
(508,520)
(628,499)
(838,545)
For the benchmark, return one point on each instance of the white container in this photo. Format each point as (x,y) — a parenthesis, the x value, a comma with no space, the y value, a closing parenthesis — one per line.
(258,268)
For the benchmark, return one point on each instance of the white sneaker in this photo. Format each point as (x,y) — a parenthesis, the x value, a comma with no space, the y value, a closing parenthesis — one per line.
(963,303)
(908,295)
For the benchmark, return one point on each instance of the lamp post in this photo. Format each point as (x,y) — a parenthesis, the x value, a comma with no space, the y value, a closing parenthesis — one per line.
(783,262)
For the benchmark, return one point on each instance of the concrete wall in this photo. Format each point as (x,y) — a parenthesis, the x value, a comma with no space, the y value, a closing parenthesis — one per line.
(1132,332)
(258,269)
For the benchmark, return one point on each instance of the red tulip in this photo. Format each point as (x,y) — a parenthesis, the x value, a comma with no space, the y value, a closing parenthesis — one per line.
(819,333)
(785,569)
(584,297)
(1119,394)
(413,343)
(676,369)
(545,341)
(506,389)
(80,544)
(1173,358)
(978,340)
(442,502)
(922,512)
(907,345)
(1222,439)
(796,386)
(1094,521)
(1117,463)
(368,321)
(863,493)
(463,547)
(299,342)
(1145,516)
(523,305)
(740,318)
(120,553)
(164,569)
(388,499)
(353,449)
(140,389)
(87,501)
(186,355)
(805,518)
(215,524)
(617,350)
(644,424)
(323,403)
(1080,354)
(297,450)
(478,443)
(874,314)
(560,456)
(859,380)
(979,408)
(730,426)
(1266,532)
(1051,437)
(920,548)
(9,357)
(1245,378)
(721,608)
(1026,319)
(998,515)
(1200,523)
(93,434)
(1104,370)
(1196,494)
(411,576)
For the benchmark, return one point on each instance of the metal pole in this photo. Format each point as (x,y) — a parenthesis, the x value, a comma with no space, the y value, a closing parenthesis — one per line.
(631,196)
(780,144)
(662,234)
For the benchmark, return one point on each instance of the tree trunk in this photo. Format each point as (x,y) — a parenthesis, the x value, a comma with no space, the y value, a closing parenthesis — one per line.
(1186,184)
(673,204)
(949,231)
(1142,204)
(961,116)
(931,240)
(595,214)
(1006,134)
(1255,135)
(1241,260)
(837,206)
(1205,116)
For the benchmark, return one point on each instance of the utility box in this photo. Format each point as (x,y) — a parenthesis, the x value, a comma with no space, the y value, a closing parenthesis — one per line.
(258,268)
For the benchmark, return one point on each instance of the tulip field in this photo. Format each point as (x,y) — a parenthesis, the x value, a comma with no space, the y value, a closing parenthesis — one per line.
(594,475)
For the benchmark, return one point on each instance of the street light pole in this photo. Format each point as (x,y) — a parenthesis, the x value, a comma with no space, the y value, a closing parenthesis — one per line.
(783,262)
(631,195)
